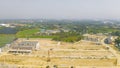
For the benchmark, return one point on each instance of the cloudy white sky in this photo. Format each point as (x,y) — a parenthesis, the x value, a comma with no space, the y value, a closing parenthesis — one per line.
(59,9)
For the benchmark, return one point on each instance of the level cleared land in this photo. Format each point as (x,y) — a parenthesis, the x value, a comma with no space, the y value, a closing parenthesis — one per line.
(63,55)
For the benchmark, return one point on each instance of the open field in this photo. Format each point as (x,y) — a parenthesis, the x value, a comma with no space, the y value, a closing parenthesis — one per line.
(31,33)
(4,39)
(64,55)
(26,33)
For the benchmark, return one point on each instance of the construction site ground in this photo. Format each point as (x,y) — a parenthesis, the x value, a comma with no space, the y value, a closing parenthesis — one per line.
(82,54)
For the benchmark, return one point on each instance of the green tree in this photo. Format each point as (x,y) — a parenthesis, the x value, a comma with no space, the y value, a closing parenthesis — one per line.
(117,41)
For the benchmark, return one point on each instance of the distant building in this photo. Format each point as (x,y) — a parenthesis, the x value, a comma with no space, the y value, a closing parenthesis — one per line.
(48,32)
(65,30)
(5,25)
(93,38)
(52,31)
(24,47)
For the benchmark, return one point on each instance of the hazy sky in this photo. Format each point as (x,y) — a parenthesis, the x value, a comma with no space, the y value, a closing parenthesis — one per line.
(65,9)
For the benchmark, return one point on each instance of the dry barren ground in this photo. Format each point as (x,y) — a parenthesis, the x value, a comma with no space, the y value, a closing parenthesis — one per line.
(83,54)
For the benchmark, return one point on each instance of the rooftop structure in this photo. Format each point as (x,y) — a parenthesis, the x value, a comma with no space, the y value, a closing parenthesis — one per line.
(24,47)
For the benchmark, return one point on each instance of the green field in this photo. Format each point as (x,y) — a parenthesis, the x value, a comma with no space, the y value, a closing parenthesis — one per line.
(31,33)
(26,33)
(4,39)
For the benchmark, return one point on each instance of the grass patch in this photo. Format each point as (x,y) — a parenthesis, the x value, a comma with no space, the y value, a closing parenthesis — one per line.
(42,36)
(31,33)
(4,39)
(26,33)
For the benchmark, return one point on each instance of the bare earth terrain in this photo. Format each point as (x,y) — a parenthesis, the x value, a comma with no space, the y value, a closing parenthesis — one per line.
(83,54)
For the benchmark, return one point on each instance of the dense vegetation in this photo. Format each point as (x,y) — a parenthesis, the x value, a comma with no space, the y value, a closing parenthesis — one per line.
(68,37)
(116,33)
(76,28)
(117,42)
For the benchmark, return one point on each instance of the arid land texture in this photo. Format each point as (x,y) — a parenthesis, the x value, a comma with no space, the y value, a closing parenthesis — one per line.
(82,54)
